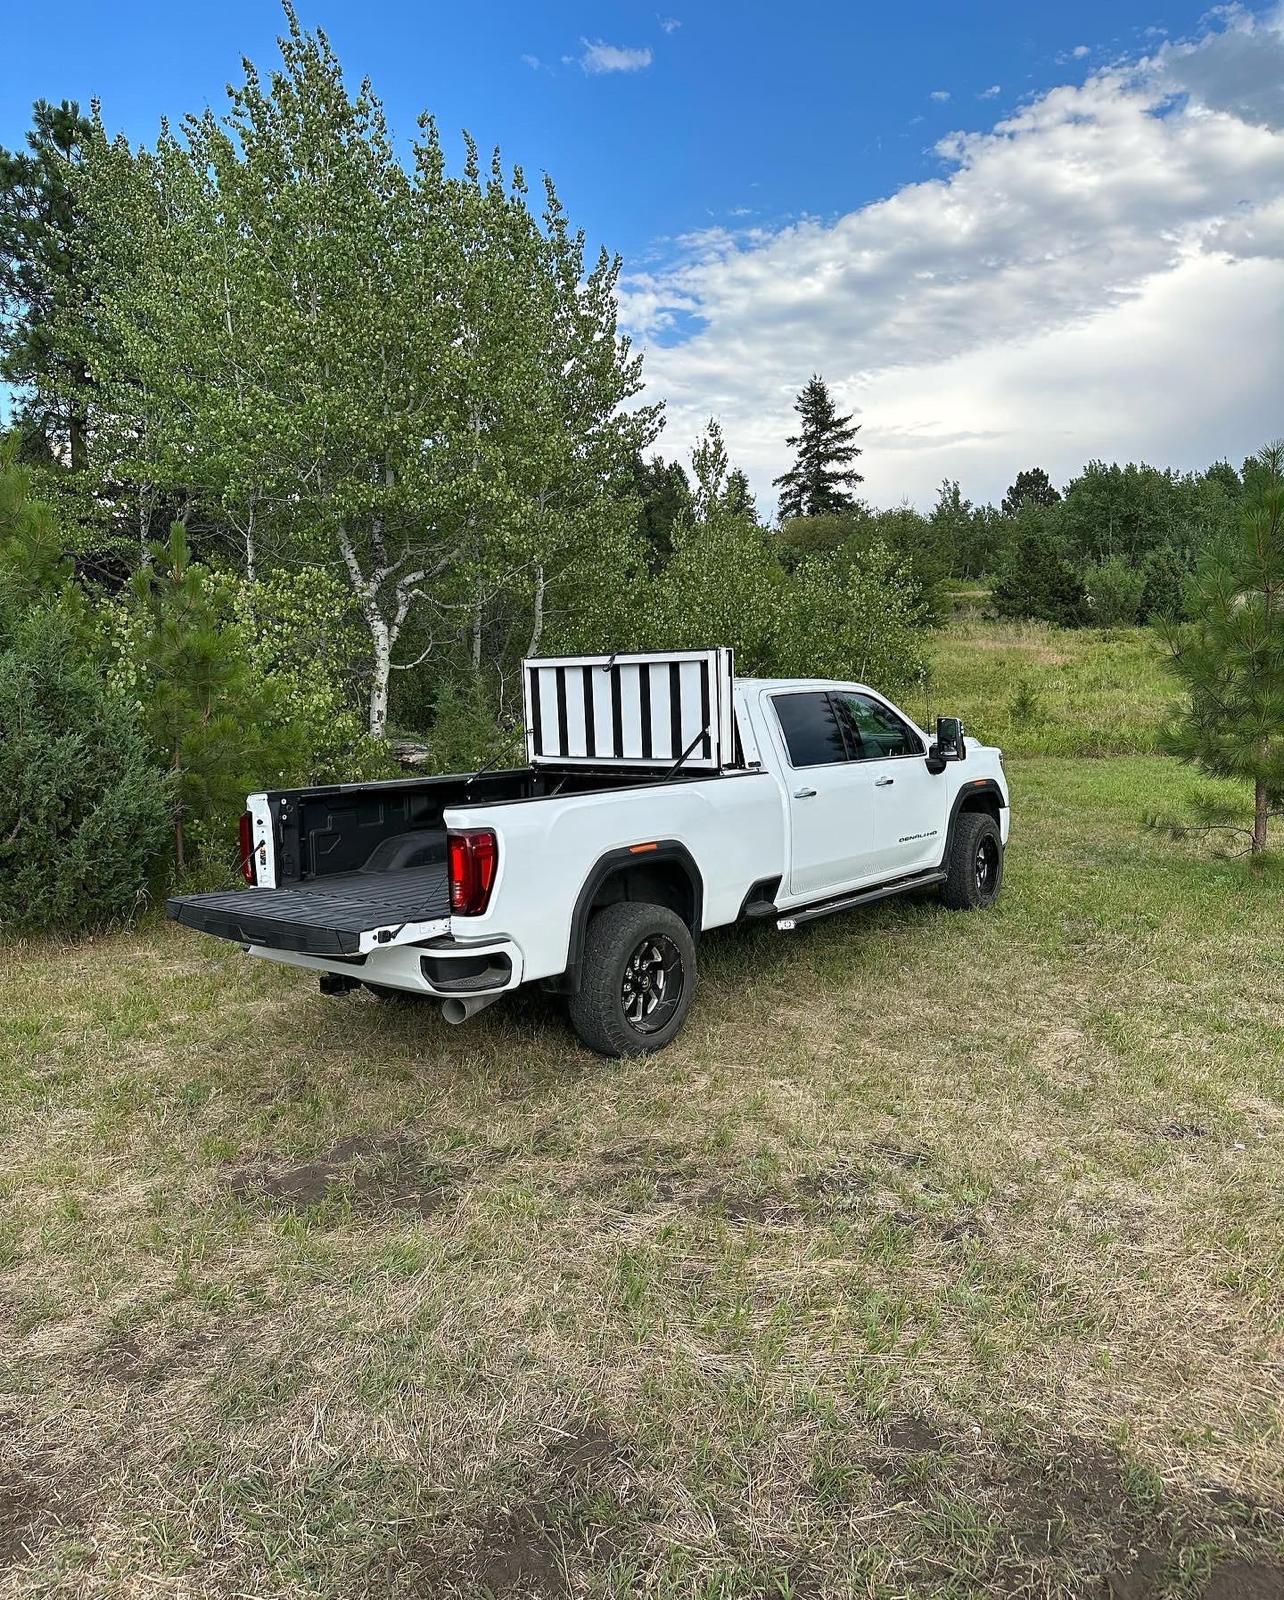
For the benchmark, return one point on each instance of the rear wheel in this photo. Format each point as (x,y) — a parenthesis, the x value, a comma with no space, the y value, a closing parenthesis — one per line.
(637,979)
(974,872)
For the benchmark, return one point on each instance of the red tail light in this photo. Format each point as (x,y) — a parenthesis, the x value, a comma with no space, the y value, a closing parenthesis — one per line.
(474,857)
(249,869)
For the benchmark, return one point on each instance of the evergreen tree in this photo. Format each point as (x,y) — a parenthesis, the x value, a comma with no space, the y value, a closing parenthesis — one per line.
(1039,582)
(1032,485)
(204,707)
(738,496)
(40,271)
(822,477)
(664,494)
(1230,658)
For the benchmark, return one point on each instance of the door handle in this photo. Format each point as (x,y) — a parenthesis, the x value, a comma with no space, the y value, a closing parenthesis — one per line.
(804,794)
(882,783)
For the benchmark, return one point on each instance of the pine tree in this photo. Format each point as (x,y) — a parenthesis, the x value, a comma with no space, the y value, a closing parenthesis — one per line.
(738,496)
(204,708)
(664,495)
(1033,485)
(1230,658)
(1039,582)
(40,276)
(822,477)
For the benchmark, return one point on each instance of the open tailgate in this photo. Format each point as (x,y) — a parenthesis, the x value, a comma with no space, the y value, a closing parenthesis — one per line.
(346,914)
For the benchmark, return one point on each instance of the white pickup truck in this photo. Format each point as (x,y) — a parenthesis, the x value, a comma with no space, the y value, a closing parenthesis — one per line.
(662,797)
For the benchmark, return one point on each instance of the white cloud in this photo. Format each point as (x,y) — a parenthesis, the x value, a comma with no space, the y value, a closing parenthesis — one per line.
(1102,273)
(533,62)
(991,93)
(1079,51)
(939,94)
(669,24)
(602,57)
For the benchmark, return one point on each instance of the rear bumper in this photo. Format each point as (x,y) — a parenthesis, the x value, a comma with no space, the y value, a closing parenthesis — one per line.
(493,966)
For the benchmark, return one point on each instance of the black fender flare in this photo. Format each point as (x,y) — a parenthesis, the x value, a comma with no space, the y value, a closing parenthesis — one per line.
(606,867)
(973,786)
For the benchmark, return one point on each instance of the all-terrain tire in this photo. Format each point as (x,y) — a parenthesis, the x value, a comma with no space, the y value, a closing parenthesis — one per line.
(634,956)
(974,871)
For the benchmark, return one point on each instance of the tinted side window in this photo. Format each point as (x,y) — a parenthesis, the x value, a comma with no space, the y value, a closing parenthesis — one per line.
(874,731)
(811,729)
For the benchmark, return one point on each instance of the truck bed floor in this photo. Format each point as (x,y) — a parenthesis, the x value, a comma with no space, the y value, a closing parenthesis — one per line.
(323,917)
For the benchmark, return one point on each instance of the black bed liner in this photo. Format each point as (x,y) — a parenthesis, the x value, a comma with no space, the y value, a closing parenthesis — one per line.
(323,917)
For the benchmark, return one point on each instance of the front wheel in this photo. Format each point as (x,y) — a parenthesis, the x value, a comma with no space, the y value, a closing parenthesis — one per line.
(637,979)
(974,871)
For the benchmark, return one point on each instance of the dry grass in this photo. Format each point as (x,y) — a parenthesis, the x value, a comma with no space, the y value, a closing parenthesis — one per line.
(940,1256)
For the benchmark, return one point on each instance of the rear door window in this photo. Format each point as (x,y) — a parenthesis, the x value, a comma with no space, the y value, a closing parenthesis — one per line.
(812,734)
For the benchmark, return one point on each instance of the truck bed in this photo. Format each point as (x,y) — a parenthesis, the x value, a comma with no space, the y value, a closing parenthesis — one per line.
(325,916)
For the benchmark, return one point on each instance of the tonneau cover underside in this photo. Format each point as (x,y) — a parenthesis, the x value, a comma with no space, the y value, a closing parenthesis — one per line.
(324,917)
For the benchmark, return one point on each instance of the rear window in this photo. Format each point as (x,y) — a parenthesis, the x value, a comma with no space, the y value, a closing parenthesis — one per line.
(812,735)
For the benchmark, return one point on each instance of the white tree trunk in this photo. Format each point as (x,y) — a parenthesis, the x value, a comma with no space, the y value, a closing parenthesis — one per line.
(380,674)
(537,627)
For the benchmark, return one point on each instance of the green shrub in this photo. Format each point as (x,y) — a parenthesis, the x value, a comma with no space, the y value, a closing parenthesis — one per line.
(1115,589)
(1163,594)
(84,810)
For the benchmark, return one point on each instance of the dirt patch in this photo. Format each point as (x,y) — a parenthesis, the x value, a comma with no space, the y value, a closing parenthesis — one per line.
(515,1556)
(28,1503)
(21,1507)
(370,1172)
(1142,1579)
(1081,1489)
(765,1210)
(121,1359)
(1245,1580)
(966,1226)
(585,1447)
(912,1436)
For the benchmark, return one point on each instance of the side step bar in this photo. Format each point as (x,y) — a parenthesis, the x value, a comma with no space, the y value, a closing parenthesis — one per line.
(862,897)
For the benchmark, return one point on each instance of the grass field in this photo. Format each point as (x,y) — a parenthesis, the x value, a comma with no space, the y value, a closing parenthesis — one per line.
(940,1256)
(1039,690)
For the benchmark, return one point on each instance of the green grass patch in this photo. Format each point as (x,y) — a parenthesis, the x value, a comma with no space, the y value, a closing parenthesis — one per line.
(1035,689)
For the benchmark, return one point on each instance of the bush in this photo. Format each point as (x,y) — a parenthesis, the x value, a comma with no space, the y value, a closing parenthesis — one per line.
(1115,589)
(855,615)
(84,811)
(1164,580)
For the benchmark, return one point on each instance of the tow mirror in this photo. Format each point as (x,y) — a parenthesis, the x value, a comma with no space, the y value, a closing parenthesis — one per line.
(949,744)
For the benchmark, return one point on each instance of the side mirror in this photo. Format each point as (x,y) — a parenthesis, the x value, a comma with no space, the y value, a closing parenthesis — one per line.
(949,744)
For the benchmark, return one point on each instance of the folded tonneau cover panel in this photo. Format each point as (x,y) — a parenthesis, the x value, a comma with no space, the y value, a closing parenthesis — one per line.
(341,915)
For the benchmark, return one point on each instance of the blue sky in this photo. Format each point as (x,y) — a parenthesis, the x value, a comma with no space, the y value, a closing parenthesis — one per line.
(744,159)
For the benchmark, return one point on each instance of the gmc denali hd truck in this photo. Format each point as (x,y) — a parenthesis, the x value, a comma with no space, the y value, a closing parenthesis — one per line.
(662,796)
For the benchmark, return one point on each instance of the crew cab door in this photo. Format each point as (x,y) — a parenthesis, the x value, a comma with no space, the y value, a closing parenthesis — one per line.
(907,818)
(830,797)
